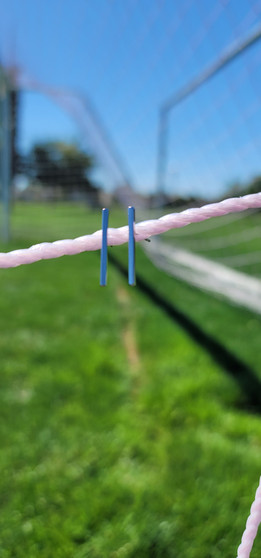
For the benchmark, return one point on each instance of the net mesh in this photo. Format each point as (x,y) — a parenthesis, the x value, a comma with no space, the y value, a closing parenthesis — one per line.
(141,54)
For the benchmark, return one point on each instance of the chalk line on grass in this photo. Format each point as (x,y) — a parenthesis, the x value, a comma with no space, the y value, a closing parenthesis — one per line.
(238,287)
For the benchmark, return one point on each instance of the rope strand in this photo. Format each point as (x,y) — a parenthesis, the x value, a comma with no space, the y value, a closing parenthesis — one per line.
(252,525)
(143,230)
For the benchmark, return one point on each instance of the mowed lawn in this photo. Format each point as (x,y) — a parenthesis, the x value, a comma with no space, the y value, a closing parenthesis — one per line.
(121,434)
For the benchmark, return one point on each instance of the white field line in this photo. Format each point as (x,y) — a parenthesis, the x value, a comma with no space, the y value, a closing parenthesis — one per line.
(241,260)
(221,242)
(237,287)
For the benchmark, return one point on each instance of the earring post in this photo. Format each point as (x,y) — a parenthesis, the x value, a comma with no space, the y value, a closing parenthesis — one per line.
(131,246)
(104,248)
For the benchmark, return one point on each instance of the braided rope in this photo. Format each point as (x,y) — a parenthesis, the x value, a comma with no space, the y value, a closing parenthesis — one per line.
(252,525)
(115,237)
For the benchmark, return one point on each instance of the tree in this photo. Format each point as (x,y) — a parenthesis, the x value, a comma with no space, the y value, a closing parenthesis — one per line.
(254,185)
(241,189)
(60,164)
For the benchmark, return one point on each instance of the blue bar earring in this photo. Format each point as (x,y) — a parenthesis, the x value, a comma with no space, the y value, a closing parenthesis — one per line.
(103,270)
(131,247)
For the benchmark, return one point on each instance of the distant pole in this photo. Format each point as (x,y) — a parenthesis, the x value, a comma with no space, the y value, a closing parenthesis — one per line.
(5,162)
(228,56)
(162,153)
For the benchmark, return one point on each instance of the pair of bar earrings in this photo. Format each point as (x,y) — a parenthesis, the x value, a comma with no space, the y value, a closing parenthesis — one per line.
(131,247)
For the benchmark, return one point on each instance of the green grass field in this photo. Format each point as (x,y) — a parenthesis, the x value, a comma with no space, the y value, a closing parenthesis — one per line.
(122,435)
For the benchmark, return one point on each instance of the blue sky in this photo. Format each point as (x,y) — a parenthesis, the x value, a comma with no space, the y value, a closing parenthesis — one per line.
(128,56)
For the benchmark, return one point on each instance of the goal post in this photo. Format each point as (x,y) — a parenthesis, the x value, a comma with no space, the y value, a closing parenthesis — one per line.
(5,154)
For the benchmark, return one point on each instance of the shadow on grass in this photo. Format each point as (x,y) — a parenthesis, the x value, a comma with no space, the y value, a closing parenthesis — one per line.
(241,372)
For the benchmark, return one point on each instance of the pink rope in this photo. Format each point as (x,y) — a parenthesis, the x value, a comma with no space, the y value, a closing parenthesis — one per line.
(143,230)
(252,525)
